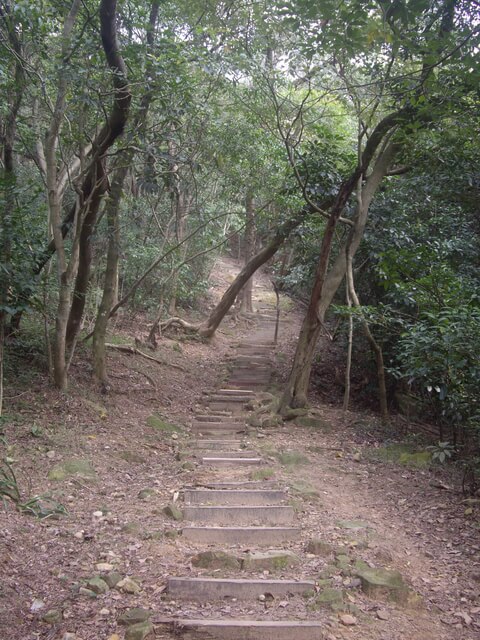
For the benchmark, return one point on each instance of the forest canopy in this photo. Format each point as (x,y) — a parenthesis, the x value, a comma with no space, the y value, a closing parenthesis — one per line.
(335,142)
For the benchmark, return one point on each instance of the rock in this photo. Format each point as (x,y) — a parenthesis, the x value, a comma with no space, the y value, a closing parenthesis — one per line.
(130,527)
(70,636)
(52,616)
(146,494)
(139,631)
(134,616)
(97,514)
(97,585)
(172,511)
(173,533)
(384,584)
(114,636)
(382,614)
(50,455)
(104,612)
(37,605)
(83,591)
(112,578)
(104,566)
(78,467)
(216,560)
(271,560)
(348,620)
(303,489)
(343,562)
(319,548)
(127,585)
(357,457)
(188,466)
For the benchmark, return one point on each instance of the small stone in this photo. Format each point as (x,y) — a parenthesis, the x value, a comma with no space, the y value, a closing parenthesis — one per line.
(97,514)
(52,616)
(127,585)
(384,584)
(104,566)
(37,605)
(262,597)
(357,457)
(83,591)
(104,612)
(139,631)
(114,636)
(188,466)
(112,579)
(98,585)
(146,494)
(70,636)
(348,620)
(134,616)
(50,455)
(174,436)
(283,604)
(79,535)
(382,614)
(172,511)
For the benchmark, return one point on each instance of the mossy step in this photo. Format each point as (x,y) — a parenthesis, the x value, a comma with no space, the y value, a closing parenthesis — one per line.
(228,629)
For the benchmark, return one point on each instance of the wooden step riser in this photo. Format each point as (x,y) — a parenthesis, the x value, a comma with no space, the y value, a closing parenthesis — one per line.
(216,445)
(203,589)
(227,454)
(264,515)
(204,417)
(258,536)
(235,497)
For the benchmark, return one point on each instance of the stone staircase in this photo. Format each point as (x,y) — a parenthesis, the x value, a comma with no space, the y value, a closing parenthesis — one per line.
(229,514)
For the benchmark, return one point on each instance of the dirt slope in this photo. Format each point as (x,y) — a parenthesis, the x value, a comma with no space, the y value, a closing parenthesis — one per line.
(127,443)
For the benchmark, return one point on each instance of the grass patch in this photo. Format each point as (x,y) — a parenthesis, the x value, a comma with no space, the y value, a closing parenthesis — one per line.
(291,458)
(303,489)
(401,453)
(262,474)
(158,423)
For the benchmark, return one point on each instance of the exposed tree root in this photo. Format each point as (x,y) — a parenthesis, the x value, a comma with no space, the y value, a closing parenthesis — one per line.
(127,348)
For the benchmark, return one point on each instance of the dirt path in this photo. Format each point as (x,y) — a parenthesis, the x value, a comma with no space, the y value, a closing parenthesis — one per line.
(335,509)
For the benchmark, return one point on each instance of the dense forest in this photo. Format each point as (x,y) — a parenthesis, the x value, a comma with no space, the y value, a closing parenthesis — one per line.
(335,142)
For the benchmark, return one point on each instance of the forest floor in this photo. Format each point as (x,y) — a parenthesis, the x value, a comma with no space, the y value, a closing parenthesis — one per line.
(112,461)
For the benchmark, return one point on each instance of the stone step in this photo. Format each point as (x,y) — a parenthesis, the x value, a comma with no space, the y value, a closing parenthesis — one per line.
(238,408)
(205,417)
(201,589)
(240,484)
(268,515)
(240,392)
(227,454)
(228,629)
(215,445)
(261,536)
(214,461)
(237,497)
(223,426)
(232,397)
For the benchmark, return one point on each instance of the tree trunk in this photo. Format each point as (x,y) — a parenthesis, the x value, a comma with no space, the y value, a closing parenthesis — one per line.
(249,250)
(110,290)
(182,206)
(325,286)
(209,326)
(95,183)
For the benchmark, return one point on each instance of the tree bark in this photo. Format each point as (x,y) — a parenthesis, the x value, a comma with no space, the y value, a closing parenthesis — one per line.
(110,289)
(95,183)
(249,249)
(325,287)
(209,326)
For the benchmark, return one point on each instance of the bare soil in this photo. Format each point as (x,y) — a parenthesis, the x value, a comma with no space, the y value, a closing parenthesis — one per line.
(414,520)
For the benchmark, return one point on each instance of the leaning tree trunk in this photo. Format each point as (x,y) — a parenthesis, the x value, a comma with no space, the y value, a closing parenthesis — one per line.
(209,326)
(295,393)
(94,185)
(249,250)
